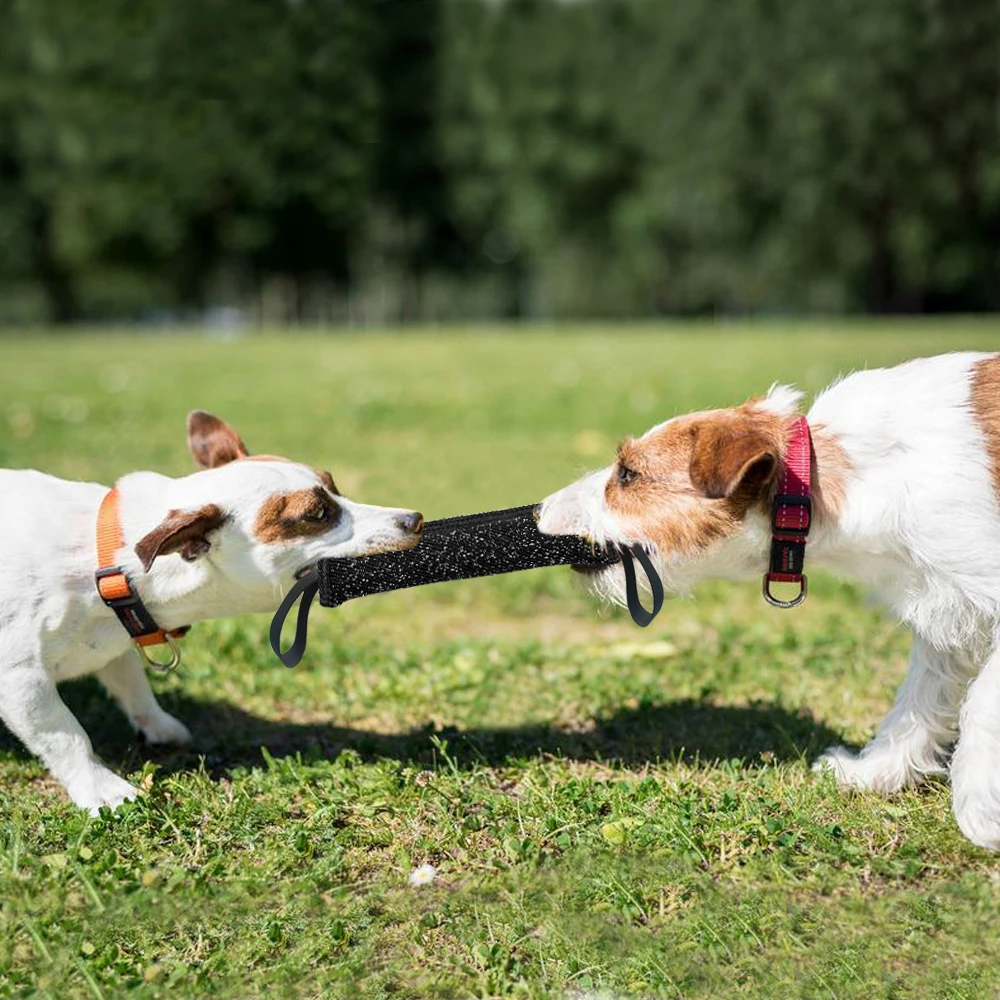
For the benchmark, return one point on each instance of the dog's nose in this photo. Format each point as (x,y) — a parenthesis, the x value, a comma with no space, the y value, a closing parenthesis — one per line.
(412,523)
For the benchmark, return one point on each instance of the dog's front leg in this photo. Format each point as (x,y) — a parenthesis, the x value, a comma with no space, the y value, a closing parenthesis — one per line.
(33,711)
(975,766)
(126,681)
(915,735)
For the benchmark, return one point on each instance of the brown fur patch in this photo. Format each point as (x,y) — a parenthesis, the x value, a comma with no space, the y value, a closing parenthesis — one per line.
(699,475)
(735,451)
(180,531)
(284,517)
(662,502)
(327,480)
(986,406)
(212,442)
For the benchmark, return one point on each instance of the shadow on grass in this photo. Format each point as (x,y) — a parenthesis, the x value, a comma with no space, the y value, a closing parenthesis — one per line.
(686,730)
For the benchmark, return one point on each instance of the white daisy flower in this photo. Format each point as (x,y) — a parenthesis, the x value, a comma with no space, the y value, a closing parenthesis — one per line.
(423,875)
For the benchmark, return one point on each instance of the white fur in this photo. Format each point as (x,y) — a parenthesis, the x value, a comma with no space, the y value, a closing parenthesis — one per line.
(920,525)
(54,626)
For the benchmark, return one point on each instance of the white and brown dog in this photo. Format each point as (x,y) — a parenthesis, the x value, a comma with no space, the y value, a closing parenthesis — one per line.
(227,540)
(906,490)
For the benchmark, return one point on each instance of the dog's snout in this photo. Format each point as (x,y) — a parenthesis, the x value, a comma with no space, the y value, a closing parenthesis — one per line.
(412,523)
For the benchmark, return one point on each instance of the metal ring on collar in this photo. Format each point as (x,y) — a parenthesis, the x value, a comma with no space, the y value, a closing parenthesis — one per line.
(163,668)
(776,602)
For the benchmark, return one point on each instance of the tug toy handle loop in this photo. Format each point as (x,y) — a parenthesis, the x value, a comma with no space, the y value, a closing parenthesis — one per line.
(306,587)
(639,614)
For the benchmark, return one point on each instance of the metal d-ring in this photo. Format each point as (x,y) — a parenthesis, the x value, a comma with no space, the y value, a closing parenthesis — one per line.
(163,668)
(794,602)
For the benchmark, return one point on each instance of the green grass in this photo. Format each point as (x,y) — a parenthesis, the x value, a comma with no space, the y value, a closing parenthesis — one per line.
(608,809)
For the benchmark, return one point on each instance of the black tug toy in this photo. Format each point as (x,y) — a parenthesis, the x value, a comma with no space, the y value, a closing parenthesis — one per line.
(458,548)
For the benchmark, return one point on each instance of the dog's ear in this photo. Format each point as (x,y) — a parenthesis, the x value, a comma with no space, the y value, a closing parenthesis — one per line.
(212,441)
(732,455)
(180,531)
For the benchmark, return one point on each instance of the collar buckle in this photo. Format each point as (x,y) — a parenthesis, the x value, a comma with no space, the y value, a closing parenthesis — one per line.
(791,514)
(116,593)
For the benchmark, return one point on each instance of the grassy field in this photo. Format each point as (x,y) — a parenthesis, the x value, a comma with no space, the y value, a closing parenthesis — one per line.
(611,812)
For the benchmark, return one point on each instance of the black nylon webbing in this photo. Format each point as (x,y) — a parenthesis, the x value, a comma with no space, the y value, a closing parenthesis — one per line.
(306,587)
(639,614)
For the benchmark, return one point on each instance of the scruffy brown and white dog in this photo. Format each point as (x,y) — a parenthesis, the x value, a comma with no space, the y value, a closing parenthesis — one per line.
(906,489)
(227,540)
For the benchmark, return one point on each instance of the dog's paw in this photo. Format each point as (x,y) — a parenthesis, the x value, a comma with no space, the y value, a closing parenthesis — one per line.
(881,771)
(979,821)
(101,788)
(975,796)
(835,761)
(163,728)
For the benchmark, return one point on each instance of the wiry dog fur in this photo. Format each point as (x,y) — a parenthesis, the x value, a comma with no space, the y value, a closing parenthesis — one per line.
(906,474)
(227,540)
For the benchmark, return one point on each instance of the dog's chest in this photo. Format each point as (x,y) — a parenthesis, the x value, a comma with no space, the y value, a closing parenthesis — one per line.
(84,641)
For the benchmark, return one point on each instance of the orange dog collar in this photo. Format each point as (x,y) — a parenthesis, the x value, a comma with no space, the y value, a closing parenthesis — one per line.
(117,592)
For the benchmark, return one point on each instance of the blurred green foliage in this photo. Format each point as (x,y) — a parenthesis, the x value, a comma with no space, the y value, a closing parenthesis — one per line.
(376,160)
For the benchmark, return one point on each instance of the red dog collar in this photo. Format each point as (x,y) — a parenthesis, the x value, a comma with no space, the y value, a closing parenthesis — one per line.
(791,518)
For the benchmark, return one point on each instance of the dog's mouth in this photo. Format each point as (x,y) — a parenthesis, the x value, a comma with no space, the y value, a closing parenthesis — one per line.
(393,545)
(613,551)
(608,554)
(377,548)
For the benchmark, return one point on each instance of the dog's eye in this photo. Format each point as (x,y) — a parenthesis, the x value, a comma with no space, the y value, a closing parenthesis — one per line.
(320,514)
(626,476)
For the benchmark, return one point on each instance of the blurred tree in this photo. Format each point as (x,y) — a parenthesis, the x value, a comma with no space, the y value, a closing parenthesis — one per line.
(306,109)
(29,247)
(841,156)
(890,145)
(535,145)
(412,183)
(586,158)
(172,138)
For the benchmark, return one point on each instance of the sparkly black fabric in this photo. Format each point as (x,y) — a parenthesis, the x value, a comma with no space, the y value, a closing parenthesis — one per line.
(457,548)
